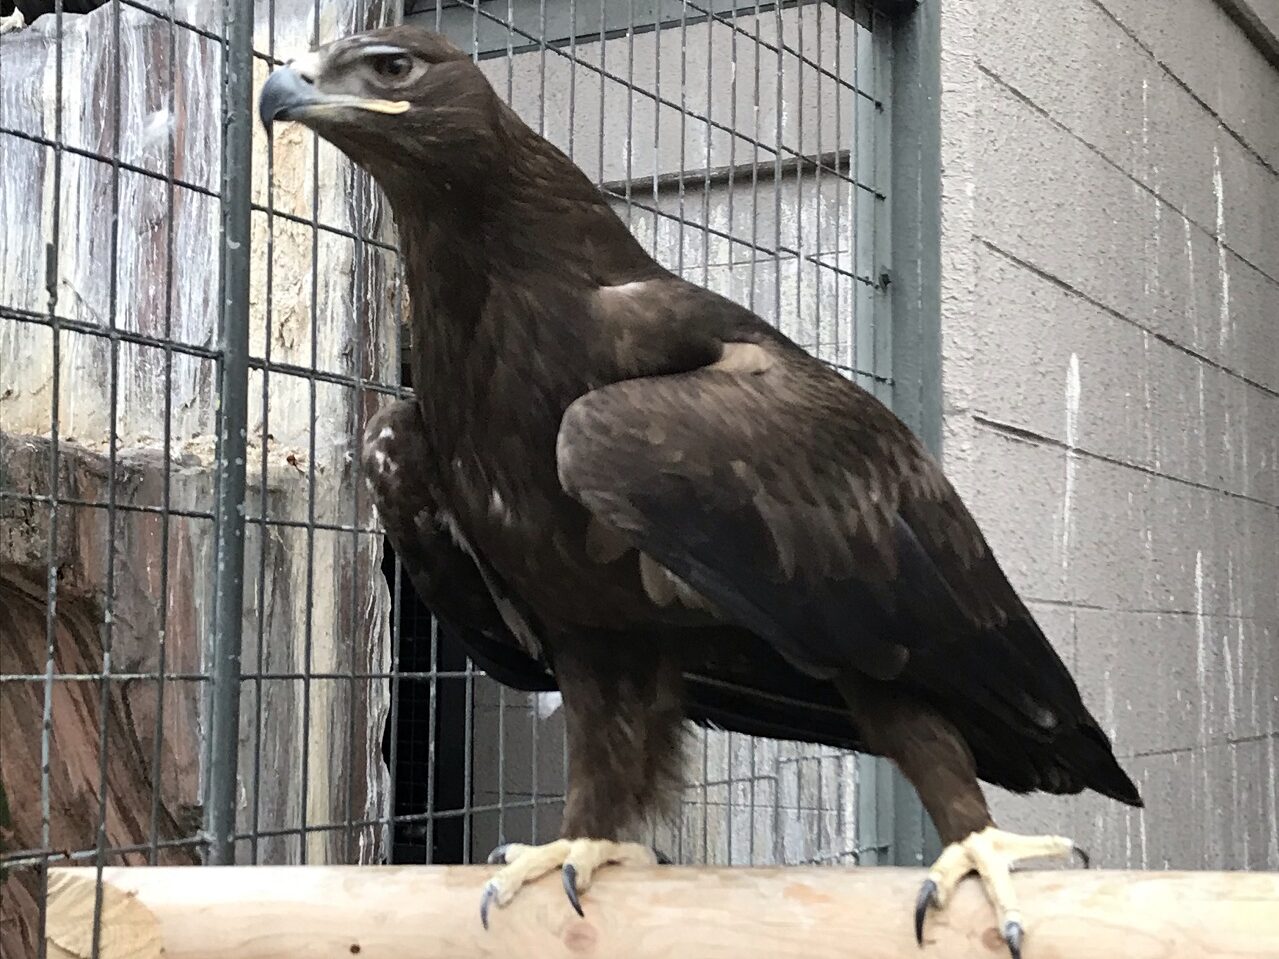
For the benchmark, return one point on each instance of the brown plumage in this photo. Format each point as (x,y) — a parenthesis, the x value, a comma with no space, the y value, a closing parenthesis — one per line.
(621,482)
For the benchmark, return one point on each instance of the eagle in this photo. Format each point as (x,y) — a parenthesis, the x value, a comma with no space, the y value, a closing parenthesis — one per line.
(615,483)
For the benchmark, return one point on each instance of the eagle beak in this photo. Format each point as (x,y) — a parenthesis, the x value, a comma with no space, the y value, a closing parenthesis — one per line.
(285,93)
(291,93)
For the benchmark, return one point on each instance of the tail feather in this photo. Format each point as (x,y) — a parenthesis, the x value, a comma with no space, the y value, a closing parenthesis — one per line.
(1101,771)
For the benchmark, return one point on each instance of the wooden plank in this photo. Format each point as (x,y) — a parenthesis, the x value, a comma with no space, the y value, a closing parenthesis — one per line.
(782,913)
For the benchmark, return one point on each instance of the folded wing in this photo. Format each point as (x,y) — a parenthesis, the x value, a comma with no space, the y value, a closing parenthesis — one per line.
(808,513)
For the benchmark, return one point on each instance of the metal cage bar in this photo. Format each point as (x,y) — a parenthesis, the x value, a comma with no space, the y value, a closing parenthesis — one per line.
(236,253)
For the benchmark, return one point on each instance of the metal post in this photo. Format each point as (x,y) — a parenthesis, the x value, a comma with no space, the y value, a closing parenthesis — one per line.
(224,711)
(915,124)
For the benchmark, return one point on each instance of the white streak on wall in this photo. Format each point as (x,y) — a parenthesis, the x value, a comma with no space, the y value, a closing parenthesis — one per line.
(1199,427)
(1231,748)
(1145,125)
(1150,176)
(1218,189)
(1108,704)
(1205,706)
(1272,812)
(1191,302)
(1147,411)
(1141,825)
(1072,438)
(1201,655)
(1232,714)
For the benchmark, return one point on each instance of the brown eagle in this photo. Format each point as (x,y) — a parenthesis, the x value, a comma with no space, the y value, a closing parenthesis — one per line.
(624,486)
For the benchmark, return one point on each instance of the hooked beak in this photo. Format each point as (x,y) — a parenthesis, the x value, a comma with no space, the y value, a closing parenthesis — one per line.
(291,93)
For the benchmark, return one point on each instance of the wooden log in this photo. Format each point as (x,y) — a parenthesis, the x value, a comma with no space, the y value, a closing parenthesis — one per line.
(396,912)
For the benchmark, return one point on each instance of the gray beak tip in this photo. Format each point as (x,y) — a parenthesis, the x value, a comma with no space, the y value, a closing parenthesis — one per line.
(282,94)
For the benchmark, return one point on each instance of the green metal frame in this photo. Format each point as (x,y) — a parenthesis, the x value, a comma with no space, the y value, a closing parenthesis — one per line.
(916,311)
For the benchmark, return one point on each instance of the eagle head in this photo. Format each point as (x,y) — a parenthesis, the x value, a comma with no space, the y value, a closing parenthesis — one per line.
(402,102)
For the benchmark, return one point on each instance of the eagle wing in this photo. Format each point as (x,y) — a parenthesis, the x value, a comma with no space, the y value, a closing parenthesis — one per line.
(738,683)
(805,511)
(447,580)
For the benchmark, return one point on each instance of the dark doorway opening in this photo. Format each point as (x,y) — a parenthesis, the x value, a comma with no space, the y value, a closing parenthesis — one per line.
(428,763)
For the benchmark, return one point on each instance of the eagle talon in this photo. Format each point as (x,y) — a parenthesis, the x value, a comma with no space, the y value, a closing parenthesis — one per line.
(992,854)
(568,875)
(577,859)
(1085,860)
(1013,935)
(490,893)
(927,897)
(498,855)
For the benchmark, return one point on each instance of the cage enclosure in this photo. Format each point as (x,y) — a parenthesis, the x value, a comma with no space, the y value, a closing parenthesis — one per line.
(745,144)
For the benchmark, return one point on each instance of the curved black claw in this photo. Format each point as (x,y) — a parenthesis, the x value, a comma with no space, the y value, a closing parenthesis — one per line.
(1013,935)
(927,897)
(568,874)
(498,856)
(662,858)
(490,893)
(1084,859)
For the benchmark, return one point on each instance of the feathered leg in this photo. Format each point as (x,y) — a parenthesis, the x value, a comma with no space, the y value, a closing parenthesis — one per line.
(623,719)
(933,756)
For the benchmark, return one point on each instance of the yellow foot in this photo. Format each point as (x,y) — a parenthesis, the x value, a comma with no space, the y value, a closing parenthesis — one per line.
(577,860)
(991,853)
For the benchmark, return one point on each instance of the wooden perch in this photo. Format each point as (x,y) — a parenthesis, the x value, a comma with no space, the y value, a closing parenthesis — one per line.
(397,912)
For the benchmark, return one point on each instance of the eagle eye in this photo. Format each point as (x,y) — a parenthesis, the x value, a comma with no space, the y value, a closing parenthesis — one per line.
(392,66)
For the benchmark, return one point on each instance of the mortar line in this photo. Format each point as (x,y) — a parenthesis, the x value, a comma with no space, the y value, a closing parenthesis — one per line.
(1164,338)
(1150,52)
(1019,432)
(1096,151)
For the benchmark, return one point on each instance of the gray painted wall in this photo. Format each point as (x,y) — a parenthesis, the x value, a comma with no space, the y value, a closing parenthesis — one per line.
(1110,343)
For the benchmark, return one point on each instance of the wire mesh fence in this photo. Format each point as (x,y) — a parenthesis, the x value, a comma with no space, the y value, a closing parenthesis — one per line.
(195,325)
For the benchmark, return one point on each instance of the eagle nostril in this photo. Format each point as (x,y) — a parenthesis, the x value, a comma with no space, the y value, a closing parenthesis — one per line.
(302,69)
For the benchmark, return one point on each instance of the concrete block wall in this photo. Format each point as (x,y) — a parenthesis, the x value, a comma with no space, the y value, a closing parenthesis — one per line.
(1110,324)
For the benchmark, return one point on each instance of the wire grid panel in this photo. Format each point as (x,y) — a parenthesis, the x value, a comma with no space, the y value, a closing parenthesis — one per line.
(743,143)
(746,146)
(326,304)
(117,433)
